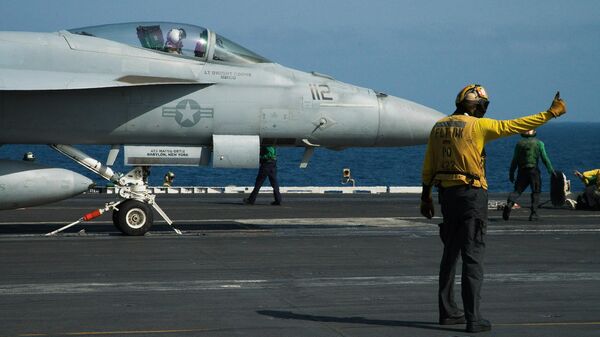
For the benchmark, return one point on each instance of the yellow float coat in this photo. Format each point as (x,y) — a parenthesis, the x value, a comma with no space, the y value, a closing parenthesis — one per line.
(454,151)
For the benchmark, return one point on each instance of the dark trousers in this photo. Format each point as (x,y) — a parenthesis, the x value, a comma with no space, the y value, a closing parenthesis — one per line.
(527,177)
(266,169)
(589,199)
(463,231)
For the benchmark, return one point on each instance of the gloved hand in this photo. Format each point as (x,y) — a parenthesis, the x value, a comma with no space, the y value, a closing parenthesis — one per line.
(427,208)
(558,107)
(426,202)
(511,178)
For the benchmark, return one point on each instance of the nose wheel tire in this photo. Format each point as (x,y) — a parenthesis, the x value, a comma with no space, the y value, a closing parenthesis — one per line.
(133,217)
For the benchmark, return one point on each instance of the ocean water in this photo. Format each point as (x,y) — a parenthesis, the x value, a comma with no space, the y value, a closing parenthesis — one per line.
(570,146)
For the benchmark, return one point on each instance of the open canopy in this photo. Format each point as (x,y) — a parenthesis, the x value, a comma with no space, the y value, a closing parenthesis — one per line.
(175,38)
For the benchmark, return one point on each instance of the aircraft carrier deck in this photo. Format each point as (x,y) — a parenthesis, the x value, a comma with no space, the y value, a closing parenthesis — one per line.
(320,265)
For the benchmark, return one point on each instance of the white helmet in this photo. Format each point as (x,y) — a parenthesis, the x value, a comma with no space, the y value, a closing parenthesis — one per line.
(174,38)
(28,156)
(529,133)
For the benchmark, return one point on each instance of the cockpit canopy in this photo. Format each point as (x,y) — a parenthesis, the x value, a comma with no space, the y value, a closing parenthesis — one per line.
(174,38)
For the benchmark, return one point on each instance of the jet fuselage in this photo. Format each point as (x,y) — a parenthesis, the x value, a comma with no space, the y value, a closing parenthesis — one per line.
(76,89)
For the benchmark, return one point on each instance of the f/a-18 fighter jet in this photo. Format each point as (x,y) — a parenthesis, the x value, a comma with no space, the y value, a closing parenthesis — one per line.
(171,94)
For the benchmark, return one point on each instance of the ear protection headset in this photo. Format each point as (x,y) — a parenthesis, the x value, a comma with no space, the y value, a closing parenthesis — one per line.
(473,95)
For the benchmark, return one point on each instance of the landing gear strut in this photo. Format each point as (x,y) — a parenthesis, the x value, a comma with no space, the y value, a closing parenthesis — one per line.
(133,215)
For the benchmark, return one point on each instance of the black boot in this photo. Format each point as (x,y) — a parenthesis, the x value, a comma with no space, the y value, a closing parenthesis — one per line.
(458,318)
(479,326)
(534,216)
(506,211)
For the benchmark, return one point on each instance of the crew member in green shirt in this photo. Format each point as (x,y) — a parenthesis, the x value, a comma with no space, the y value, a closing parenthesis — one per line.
(527,154)
(268,168)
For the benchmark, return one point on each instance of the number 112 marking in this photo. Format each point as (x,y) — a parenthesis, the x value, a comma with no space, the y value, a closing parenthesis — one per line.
(320,92)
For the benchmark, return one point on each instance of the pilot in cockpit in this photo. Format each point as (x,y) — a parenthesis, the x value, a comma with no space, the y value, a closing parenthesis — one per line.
(175,40)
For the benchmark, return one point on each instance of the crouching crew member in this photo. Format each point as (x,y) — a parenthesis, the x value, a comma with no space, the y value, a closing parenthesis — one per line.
(590,198)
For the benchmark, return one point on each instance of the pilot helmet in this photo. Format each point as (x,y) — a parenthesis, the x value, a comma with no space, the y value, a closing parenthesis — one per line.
(174,38)
(473,95)
(170,175)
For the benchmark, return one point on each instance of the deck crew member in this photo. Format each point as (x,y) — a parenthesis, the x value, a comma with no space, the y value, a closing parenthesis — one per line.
(169,178)
(268,168)
(528,152)
(590,198)
(589,178)
(454,162)
(28,156)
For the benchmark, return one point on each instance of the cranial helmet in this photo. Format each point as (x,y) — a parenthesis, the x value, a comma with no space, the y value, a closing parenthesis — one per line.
(29,156)
(529,133)
(473,95)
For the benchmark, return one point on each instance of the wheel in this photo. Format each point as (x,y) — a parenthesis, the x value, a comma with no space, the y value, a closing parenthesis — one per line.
(133,217)
(115,218)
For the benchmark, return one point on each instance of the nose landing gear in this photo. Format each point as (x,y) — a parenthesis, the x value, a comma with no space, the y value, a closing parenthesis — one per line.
(133,215)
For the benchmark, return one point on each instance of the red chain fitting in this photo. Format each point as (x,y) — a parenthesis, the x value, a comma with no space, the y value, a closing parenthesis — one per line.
(93,214)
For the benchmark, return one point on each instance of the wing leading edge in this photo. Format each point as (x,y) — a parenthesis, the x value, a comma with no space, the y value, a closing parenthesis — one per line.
(23,80)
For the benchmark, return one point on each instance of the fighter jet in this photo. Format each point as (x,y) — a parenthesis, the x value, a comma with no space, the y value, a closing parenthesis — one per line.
(171,94)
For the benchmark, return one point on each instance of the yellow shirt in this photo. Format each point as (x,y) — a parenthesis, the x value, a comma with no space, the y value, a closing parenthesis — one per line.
(591,177)
(454,151)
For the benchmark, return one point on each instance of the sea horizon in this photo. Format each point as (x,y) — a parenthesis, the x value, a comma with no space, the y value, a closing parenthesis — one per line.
(570,146)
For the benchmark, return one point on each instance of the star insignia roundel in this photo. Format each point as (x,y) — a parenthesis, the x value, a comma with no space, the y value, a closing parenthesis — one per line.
(187,113)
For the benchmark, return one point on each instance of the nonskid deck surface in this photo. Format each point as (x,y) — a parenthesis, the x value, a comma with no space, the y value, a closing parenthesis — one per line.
(320,265)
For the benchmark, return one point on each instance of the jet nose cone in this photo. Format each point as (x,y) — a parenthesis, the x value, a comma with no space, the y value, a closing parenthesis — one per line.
(402,122)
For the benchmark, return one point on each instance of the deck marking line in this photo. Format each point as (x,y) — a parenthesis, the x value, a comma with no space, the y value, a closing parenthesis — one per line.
(239,285)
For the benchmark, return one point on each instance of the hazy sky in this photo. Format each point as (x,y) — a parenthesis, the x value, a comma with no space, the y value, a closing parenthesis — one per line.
(425,51)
